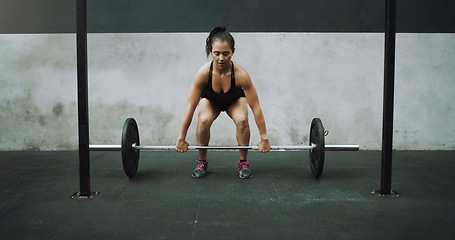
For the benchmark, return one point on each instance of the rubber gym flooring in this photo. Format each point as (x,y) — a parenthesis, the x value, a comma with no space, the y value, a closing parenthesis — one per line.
(282,201)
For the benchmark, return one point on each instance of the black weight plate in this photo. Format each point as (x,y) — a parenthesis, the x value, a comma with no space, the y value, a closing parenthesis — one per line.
(317,154)
(130,156)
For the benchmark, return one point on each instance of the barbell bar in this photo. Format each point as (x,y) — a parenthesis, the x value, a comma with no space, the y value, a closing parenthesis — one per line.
(272,148)
(131,147)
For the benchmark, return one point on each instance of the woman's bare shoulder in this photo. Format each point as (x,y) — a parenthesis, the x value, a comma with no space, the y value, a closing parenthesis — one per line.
(204,70)
(202,74)
(241,75)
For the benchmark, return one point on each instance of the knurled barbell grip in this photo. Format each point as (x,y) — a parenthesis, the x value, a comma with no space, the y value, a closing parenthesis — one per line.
(272,148)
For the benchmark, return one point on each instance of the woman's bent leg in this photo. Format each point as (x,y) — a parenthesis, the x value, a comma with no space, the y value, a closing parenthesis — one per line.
(239,114)
(207,113)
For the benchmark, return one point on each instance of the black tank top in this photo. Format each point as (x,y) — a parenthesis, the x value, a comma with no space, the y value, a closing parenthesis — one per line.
(222,100)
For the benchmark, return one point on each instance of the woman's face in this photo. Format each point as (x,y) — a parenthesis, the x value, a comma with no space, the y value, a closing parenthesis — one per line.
(221,53)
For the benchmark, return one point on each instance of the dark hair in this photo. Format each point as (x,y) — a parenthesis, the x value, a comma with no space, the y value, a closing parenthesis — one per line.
(218,33)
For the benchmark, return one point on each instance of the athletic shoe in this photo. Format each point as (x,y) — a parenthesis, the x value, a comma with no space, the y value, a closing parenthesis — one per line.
(201,170)
(244,171)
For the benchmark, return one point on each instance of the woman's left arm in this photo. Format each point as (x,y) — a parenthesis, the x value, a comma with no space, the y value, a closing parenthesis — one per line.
(252,98)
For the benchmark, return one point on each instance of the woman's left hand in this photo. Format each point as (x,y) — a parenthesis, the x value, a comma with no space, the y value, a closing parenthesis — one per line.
(264,145)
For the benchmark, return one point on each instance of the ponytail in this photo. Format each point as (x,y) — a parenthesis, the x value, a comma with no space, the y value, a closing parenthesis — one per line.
(218,33)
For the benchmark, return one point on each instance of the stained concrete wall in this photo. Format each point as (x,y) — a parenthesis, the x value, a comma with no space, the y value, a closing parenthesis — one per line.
(335,76)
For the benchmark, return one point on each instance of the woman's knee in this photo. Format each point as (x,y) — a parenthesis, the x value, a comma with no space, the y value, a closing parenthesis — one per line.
(204,122)
(207,114)
(241,122)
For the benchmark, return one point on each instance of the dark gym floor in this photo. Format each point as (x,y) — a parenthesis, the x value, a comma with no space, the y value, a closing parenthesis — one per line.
(282,201)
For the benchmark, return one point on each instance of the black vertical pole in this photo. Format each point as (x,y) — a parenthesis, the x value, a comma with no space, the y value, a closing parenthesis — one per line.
(389,74)
(82,93)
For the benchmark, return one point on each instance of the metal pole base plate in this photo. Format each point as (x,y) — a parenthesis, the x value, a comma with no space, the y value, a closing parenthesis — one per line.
(79,196)
(378,193)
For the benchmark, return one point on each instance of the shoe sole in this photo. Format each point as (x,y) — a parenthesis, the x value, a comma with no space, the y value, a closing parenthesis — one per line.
(247,177)
(200,176)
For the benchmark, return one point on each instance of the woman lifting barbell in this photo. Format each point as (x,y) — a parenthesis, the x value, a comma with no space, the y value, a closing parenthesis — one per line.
(219,86)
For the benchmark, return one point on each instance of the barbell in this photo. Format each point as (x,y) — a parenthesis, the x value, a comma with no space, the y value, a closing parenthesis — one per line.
(131,147)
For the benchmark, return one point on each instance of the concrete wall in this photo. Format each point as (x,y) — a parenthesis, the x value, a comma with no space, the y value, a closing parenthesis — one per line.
(335,76)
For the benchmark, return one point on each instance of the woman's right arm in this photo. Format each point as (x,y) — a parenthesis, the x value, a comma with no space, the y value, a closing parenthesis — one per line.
(193,100)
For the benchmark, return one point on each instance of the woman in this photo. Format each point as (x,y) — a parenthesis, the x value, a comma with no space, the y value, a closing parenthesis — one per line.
(221,85)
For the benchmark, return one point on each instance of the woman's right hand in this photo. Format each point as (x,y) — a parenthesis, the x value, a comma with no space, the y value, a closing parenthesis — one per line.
(181,146)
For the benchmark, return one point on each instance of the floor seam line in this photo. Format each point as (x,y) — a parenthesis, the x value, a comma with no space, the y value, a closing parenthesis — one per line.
(121,192)
(93,159)
(195,219)
(12,210)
